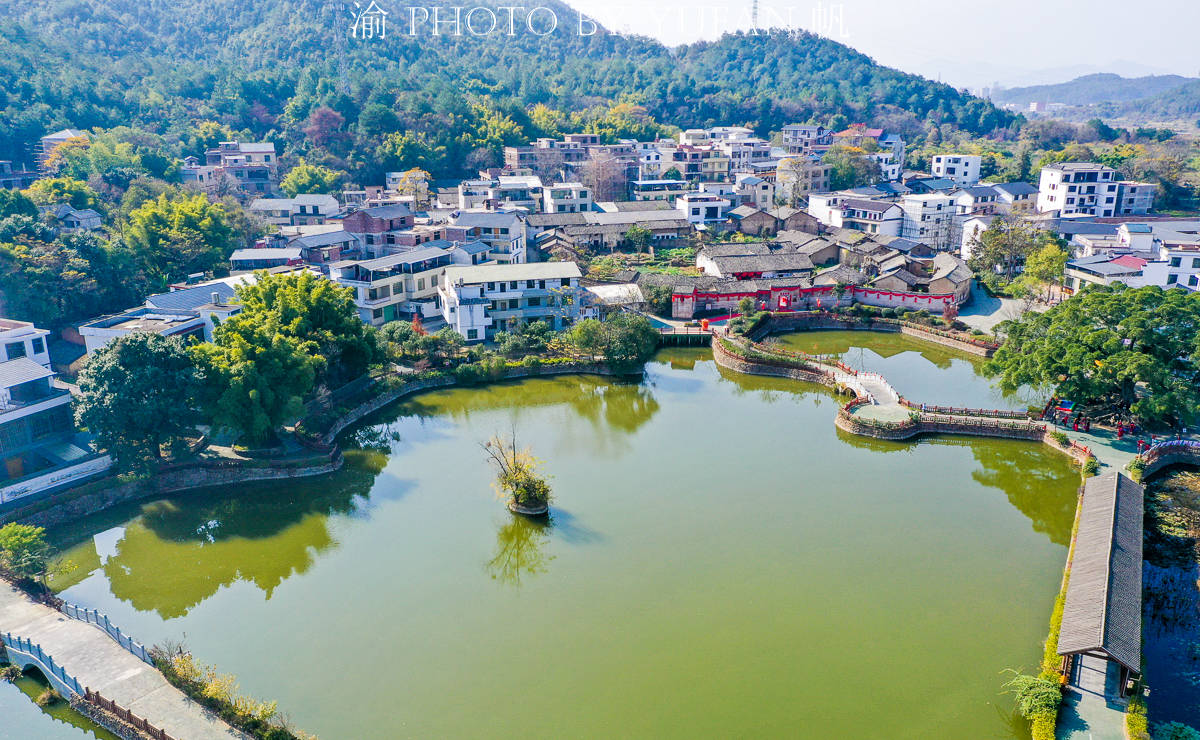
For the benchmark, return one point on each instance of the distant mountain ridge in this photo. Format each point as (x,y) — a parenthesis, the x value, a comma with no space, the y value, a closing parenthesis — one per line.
(1094,89)
(264,66)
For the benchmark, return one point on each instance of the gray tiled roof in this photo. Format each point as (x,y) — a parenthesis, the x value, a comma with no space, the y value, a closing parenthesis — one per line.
(1103,611)
(21,370)
(190,298)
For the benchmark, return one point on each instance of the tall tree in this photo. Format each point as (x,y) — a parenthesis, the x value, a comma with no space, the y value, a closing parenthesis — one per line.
(307,178)
(1113,345)
(179,233)
(137,394)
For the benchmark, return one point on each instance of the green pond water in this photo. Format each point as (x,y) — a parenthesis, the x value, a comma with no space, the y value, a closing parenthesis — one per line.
(21,717)
(720,561)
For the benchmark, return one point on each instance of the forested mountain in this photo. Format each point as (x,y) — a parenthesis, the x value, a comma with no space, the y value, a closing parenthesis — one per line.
(1093,89)
(287,70)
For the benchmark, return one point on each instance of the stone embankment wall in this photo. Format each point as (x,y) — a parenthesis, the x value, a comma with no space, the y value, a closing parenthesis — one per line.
(779,323)
(74,503)
(79,502)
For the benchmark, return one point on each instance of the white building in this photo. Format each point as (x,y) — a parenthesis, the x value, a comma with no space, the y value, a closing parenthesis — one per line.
(395,287)
(890,166)
(22,339)
(1078,188)
(503,231)
(566,197)
(963,169)
(755,191)
(743,152)
(303,210)
(41,448)
(801,138)
(701,208)
(667,190)
(480,300)
(1015,197)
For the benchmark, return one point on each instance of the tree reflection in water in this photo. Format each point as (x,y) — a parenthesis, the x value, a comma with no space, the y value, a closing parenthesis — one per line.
(182,550)
(519,549)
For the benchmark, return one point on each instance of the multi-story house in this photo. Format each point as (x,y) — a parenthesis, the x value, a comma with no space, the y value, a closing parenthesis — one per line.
(667,190)
(978,200)
(889,166)
(22,339)
(1073,188)
(502,192)
(801,138)
(379,227)
(40,446)
(1135,198)
(755,191)
(247,166)
(1015,197)
(14,179)
(479,300)
(701,208)
(566,197)
(395,287)
(503,231)
(872,217)
(49,142)
(741,153)
(799,176)
(964,169)
(930,218)
(303,210)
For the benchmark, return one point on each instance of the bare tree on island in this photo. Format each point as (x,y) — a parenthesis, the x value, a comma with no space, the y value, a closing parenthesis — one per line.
(517,475)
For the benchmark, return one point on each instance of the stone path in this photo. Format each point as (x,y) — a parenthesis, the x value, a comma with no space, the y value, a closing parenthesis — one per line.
(99,663)
(1086,713)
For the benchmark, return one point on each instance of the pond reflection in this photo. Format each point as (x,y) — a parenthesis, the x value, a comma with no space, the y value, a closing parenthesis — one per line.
(520,549)
(182,550)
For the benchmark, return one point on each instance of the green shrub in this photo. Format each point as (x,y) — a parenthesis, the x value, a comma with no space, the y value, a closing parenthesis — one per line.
(1042,727)
(48,697)
(1035,695)
(10,673)
(1137,468)
(1060,438)
(1091,467)
(1136,721)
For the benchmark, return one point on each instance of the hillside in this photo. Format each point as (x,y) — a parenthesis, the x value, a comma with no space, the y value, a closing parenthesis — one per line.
(1094,89)
(262,67)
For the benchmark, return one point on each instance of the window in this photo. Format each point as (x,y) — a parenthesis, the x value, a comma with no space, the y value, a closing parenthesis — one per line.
(39,344)
(529,284)
(14,350)
(491,286)
(541,285)
(1195,264)
(1193,280)
(514,304)
(1174,263)
(472,334)
(512,285)
(1172,279)
(534,302)
(420,283)
(377,313)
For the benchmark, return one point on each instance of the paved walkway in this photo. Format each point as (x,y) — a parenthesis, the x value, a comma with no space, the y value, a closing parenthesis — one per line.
(1086,713)
(983,312)
(99,663)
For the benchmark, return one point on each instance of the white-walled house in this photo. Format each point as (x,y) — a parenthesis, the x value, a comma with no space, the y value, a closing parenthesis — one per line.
(22,339)
(963,169)
(755,191)
(972,227)
(41,448)
(566,197)
(480,300)
(703,208)
(1083,188)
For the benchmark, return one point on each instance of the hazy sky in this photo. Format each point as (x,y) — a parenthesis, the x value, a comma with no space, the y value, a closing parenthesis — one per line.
(968,42)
